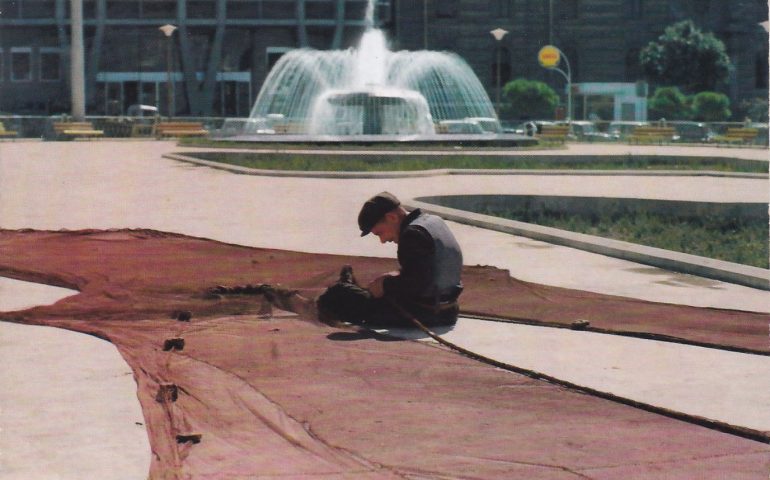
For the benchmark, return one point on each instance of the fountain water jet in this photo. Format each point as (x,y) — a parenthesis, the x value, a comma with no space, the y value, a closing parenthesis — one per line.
(369,90)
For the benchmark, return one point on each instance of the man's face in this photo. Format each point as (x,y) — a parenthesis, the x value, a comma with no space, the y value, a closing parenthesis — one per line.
(388,228)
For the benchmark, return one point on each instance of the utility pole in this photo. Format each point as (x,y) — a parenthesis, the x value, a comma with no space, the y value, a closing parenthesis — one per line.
(77,62)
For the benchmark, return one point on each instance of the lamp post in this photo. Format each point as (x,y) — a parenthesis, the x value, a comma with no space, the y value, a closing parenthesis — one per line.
(77,62)
(424,24)
(498,33)
(168,31)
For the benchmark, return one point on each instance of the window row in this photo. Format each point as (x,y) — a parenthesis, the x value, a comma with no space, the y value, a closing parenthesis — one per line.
(165,9)
(24,67)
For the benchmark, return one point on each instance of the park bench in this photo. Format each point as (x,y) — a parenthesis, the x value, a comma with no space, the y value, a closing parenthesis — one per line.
(142,130)
(738,135)
(180,129)
(648,134)
(7,133)
(441,128)
(73,130)
(288,128)
(554,133)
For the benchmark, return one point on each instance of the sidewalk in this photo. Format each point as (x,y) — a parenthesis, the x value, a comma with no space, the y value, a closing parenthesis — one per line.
(106,184)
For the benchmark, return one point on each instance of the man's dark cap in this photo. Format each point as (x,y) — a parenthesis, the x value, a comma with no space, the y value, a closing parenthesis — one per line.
(374,209)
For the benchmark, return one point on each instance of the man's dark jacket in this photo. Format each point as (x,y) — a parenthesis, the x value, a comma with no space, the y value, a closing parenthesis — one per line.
(431,261)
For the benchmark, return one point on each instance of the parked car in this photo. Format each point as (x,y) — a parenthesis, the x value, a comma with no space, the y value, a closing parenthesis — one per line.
(512,127)
(465,126)
(489,124)
(586,131)
(692,132)
(533,127)
(620,130)
(762,138)
(142,111)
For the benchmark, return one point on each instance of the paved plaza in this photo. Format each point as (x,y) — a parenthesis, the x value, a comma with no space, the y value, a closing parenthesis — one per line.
(119,184)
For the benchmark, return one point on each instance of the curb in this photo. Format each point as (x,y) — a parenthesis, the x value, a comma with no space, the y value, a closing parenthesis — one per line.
(454,171)
(730,272)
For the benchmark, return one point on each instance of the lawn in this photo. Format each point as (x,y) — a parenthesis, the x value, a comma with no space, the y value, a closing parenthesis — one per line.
(322,160)
(729,239)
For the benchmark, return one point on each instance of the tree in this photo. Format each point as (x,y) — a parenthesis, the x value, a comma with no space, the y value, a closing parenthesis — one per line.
(687,57)
(527,99)
(669,103)
(711,107)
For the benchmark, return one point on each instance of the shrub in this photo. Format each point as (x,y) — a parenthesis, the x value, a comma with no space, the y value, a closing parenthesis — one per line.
(526,99)
(711,107)
(669,103)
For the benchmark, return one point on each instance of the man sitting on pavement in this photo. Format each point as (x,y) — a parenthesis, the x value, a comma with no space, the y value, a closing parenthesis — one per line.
(426,286)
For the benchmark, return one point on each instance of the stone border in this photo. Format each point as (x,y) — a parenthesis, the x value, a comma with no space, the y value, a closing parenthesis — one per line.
(730,272)
(455,171)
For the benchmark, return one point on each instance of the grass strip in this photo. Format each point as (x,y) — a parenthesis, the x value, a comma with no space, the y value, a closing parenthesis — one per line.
(324,161)
(730,239)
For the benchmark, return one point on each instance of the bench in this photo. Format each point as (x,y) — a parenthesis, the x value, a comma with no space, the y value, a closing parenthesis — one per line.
(72,130)
(142,130)
(738,135)
(554,133)
(646,134)
(7,133)
(180,129)
(288,128)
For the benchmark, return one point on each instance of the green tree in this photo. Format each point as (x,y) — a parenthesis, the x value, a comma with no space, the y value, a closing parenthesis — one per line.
(687,57)
(669,103)
(524,98)
(711,107)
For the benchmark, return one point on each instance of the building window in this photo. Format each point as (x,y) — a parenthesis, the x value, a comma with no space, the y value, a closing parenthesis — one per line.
(446,8)
(50,64)
(760,76)
(37,9)
(504,8)
(633,69)
(273,54)
(9,9)
(21,64)
(569,9)
(634,8)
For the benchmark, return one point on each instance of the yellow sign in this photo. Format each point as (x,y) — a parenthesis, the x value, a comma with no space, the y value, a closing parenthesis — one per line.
(548,56)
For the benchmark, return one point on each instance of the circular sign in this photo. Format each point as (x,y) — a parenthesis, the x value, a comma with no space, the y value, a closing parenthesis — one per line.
(549,56)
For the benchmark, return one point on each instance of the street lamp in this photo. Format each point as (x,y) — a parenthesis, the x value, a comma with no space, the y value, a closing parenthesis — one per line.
(168,31)
(549,57)
(498,33)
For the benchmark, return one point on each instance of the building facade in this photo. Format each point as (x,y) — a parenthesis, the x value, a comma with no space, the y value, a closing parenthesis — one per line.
(223,49)
(601,38)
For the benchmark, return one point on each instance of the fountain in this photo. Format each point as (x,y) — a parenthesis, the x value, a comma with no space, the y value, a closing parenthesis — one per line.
(369,91)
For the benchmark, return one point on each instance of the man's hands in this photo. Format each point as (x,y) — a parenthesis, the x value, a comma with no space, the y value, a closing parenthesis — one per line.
(377,287)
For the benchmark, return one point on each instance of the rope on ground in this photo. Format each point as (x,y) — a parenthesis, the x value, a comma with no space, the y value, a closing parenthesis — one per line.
(748,433)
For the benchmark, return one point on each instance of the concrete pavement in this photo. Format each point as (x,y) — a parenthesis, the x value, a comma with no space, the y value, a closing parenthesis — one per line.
(126,184)
(68,405)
